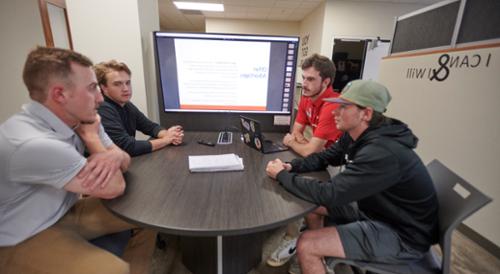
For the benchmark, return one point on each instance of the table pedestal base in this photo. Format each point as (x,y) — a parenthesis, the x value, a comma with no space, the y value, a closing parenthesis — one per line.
(218,255)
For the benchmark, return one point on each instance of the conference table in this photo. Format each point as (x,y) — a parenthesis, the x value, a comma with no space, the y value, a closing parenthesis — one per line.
(219,216)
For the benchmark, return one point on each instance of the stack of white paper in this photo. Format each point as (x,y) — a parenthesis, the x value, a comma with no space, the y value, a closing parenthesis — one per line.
(211,163)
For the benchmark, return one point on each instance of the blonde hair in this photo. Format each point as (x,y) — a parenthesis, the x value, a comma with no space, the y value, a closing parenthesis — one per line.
(103,68)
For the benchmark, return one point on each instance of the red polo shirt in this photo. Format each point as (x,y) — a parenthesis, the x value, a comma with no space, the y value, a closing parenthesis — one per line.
(318,114)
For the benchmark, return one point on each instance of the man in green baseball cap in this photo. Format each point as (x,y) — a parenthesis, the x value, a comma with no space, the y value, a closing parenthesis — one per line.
(364,93)
(395,220)
(368,99)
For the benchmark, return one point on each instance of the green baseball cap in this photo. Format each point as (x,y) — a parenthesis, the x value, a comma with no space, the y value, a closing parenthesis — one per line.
(365,93)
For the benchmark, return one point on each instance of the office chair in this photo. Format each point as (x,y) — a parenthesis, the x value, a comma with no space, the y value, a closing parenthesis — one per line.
(454,207)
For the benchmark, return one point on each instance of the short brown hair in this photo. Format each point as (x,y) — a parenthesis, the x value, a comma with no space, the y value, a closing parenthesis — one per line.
(44,63)
(103,68)
(322,64)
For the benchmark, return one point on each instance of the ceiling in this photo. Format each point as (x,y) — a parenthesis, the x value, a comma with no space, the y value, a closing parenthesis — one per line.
(172,19)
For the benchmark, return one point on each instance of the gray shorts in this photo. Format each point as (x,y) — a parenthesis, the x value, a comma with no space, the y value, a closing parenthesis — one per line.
(368,240)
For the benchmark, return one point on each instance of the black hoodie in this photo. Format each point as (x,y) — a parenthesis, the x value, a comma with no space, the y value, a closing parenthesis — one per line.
(382,173)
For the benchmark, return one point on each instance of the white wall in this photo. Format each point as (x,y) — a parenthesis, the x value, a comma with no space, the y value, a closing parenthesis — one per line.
(149,22)
(218,25)
(311,34)
(360,19)
(109,29)
(21,30)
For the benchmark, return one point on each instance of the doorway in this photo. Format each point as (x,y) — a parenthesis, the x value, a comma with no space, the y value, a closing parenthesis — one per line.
(357,59)
(348,55)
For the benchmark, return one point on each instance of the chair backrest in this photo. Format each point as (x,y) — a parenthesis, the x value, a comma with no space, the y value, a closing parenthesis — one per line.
(458,199)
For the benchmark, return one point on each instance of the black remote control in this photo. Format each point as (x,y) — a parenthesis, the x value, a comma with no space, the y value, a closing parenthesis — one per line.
(206,143)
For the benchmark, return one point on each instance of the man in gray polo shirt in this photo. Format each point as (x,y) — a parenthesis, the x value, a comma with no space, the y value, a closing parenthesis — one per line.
(44,227)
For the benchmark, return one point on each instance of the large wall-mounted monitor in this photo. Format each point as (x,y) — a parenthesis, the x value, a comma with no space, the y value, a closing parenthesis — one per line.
(207,80)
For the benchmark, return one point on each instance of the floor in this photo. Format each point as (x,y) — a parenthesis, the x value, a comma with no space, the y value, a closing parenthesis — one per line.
(467,257)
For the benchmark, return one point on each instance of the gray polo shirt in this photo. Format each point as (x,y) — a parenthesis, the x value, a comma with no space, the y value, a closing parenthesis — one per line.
(39,154)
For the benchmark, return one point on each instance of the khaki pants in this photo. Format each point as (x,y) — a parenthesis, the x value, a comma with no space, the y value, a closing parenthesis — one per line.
(64,247)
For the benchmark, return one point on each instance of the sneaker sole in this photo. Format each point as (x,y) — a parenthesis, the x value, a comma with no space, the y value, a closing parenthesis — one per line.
(277,264)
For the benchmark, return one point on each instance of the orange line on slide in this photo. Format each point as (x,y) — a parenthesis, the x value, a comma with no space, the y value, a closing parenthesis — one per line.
(494,45)
(208,107)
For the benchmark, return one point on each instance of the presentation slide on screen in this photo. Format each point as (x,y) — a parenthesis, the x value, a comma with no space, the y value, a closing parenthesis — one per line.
(215,74)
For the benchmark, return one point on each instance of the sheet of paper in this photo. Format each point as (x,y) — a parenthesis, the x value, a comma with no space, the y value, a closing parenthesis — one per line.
(212,163)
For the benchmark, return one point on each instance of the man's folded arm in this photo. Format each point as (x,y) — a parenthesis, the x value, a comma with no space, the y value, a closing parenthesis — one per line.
(85,185)
(102,174)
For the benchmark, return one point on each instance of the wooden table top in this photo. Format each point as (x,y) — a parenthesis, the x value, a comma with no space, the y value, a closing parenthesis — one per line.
(162,193)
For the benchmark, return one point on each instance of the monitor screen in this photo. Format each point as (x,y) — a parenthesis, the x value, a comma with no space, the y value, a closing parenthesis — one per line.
(205,72)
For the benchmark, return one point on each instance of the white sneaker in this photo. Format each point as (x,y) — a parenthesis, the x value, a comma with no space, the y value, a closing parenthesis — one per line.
(283,253)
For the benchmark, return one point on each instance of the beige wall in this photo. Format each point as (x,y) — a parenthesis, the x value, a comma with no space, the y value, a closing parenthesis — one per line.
(311,33)
(217,25)
(109,29)
(310,38)
(21,30)
(456,119)
(359,19)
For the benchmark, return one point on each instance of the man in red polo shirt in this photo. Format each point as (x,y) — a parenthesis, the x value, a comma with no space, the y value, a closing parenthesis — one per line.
(318,73)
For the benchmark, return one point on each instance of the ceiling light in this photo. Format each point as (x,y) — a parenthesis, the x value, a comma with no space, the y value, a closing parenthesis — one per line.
(198,6)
